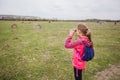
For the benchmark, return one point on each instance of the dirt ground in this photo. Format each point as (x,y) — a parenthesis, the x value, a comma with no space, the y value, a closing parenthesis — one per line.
(111,73)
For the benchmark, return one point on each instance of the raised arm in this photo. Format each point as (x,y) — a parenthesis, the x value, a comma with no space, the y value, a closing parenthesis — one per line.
(69,44)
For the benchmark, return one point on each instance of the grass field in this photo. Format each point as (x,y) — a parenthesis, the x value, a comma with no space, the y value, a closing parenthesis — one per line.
(30,53)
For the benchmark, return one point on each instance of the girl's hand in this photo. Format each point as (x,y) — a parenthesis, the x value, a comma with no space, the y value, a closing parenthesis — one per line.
(72,32)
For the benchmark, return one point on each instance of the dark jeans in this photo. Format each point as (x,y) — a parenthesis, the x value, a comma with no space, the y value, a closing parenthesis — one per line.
(79,77)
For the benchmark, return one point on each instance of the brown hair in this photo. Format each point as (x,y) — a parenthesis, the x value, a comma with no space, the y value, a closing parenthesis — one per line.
(83,28)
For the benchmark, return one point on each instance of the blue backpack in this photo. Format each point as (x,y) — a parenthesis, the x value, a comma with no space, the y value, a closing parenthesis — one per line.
(88,53)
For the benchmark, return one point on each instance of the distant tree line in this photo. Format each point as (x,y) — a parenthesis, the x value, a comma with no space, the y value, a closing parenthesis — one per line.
(25,19)
(38,19)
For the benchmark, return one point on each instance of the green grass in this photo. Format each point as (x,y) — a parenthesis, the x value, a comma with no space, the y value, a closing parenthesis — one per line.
(29,53)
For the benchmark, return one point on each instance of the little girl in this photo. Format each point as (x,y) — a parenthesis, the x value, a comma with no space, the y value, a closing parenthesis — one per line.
(84,38)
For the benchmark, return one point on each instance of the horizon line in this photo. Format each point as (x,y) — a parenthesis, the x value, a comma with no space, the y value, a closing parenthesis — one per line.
(55,18)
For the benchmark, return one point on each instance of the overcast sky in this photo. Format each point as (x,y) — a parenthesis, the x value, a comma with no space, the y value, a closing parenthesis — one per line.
(63,9)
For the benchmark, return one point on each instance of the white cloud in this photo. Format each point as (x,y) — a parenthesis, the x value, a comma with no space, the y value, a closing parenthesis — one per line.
(63,9)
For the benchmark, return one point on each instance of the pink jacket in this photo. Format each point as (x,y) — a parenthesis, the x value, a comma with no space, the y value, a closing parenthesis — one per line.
(78,46)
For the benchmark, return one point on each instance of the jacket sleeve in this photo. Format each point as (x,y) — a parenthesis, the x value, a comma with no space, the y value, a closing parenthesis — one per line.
(69,44)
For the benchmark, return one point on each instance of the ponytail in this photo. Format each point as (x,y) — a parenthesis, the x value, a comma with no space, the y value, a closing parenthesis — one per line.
(88,34)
